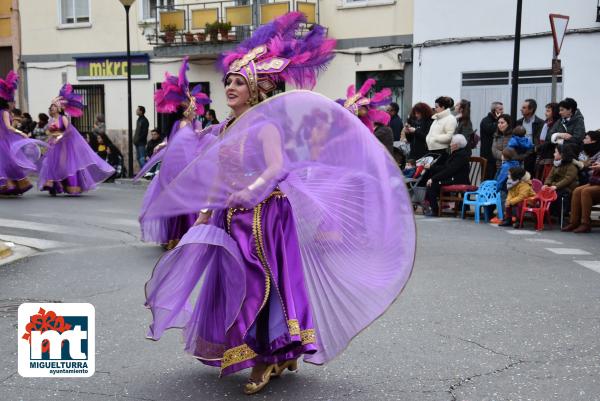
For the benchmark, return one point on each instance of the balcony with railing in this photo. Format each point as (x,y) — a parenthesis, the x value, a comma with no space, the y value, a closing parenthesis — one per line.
(207,28)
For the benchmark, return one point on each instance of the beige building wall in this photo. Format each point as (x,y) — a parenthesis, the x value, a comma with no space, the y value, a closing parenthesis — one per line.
(382,18)
(104,34)
(10,35)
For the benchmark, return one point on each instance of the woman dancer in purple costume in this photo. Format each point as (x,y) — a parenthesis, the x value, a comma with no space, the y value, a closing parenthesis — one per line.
(306,233)
(185,142)
(18,153)
(70,165)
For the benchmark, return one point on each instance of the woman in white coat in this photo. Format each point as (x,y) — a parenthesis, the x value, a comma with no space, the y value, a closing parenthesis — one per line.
(442,129)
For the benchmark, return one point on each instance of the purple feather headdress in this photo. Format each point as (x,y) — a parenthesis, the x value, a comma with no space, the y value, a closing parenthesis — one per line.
(174,92)
(276,53)
(355,100)
(68,101)
(8,86)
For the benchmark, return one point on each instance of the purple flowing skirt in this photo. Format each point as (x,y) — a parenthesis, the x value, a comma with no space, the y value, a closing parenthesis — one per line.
(71,166)
(261,255)
(18,159)
(183,146)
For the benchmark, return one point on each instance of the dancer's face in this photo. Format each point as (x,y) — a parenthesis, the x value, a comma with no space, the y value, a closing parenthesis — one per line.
(53,110)
(237,92)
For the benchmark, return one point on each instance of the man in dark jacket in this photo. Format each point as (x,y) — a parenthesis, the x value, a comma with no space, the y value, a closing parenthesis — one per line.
(396,122)
(454,172)
(487,130)
(533,127)
(571,126)
(141,135)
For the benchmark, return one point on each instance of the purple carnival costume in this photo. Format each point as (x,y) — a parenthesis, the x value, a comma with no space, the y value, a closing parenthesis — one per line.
(19,155)
(70,166)
(184,144)
(312,234)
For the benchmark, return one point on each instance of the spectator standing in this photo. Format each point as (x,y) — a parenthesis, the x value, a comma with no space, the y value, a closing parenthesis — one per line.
(571,126)
(141,135)
(487,131)
(41,126)
(210,118)
(416,129)
(545,149)
(393,110)
(17,117)
(533,128)
(442,129)
(463,118)
(383,132)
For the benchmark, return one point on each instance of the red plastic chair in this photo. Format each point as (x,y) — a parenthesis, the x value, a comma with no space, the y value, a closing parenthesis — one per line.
(536,185)
(539,206)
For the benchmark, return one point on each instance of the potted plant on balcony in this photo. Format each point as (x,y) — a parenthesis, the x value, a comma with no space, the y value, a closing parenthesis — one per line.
(189,37)
(212,30)
(224,28)
(169,36)
(201,37)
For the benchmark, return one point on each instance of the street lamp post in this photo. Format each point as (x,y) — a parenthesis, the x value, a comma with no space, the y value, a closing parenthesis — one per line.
(127,4)
(517,53)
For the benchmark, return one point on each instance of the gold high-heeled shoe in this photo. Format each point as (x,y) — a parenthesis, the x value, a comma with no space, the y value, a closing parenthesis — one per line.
(291,365)
(253,388)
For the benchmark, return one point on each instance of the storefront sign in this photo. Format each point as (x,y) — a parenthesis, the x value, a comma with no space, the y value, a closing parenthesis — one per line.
(113,67)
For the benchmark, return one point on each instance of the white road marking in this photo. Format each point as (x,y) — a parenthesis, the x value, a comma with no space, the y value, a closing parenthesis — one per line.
(36,243)
(55,229)
(545,240)
(520,232)
(590,264)
(568,251)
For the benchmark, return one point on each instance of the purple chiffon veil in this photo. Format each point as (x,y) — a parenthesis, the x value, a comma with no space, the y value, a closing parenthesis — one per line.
(353,215)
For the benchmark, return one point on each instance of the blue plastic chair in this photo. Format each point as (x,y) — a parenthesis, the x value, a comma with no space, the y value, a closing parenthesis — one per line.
(486,195)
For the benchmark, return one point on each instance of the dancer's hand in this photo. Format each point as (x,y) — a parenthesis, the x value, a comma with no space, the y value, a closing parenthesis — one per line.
(203,218)
(240,198)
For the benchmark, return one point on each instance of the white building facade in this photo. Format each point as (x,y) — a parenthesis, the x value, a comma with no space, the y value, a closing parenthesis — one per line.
(465,50)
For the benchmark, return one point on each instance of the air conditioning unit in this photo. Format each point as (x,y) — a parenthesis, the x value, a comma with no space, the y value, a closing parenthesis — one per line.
(405,56)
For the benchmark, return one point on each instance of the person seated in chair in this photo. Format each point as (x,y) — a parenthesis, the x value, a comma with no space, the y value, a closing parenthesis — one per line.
(562,178)
(455,171)
(519,188)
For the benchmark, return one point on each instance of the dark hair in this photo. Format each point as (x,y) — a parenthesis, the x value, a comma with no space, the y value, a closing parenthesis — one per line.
(569,104)
(567,152)
(465,112)
(109,144)
(411,161)
(43,117)
(594,135)
(507,118)
(554,107)
(142,109)
(155,130)
(519,131)
(516,173)
(395,107)
(532,104)
(17,112)
(423,109)
(445,101)
(509,153)
(3,103)
(213,114)
(27,115)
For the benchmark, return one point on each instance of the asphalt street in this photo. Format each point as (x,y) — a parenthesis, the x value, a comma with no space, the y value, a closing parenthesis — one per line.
(489,314)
